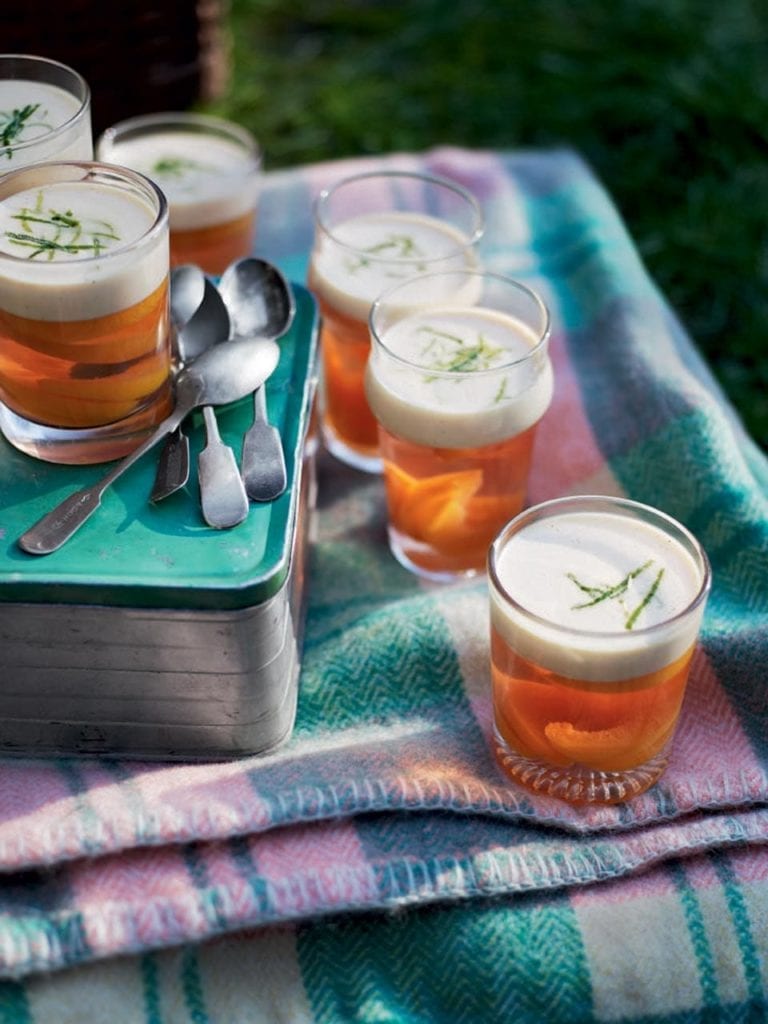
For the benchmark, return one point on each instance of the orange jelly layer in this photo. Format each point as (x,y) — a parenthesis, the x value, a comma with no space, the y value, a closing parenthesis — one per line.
(448,504)
(87,373)
(561,721)
(345,346)
(214,248)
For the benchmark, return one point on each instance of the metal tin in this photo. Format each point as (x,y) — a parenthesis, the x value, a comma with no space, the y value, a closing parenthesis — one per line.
(149,634)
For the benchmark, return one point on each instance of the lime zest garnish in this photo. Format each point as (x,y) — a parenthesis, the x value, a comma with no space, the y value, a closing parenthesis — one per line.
(65,234)
(450,353)
(616,591)
(606,591)
(632,619)
(175,166)
(393,247)
(14,124)
(50,246)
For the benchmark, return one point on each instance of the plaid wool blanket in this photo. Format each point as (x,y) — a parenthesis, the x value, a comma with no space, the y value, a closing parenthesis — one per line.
(378,867)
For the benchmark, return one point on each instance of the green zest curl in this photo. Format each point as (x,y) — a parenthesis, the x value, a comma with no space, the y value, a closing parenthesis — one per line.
(175,167)
(450,353)
(616,591)
(393,247)
(13,124)
(65,233)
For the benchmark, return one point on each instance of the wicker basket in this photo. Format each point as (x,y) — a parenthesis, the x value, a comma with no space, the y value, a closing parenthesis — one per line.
(137,57)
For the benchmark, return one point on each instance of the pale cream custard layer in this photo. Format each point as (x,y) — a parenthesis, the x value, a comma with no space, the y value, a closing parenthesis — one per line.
(206,179)
(372,252)
(615,587)
(458,377)
(71,260)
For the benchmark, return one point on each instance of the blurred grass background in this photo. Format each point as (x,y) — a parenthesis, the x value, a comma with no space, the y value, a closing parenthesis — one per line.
(667,99)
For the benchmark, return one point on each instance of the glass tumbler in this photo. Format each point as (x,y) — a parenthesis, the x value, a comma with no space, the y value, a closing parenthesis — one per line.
(372,230)
(210,172)
(596,605)
(85,352)
(45,112)
(458,378)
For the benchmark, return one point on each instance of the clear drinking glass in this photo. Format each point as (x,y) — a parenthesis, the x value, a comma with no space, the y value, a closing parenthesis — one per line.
(458,378)
(45,112)
(85,354)
(372,230)
(596,605)
(210,172)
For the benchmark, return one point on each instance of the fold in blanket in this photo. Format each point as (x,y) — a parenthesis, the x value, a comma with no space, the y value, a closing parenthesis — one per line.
(387,794)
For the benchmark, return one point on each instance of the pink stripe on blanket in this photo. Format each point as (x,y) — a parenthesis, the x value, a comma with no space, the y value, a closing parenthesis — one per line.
(747,864)
(42,820)
(710,741)
(137,900)
(33,795)
(27,790)
(308,853)
(306,847)
(201,800)
(479,172)
(323,175)
(750,864)
(566,453)
(624,890)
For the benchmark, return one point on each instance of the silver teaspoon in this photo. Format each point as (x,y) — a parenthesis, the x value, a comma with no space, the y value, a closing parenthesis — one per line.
(221,375)
(187,290)
(201,320)
(261,305)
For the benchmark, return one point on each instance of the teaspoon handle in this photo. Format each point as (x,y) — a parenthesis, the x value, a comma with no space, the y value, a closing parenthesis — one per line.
(223,499)
(172,470)
(57,526)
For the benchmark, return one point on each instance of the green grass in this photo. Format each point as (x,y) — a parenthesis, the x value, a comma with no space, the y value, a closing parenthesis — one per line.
(667,99)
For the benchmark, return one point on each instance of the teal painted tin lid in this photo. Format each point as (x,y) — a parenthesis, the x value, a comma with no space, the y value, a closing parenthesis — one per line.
(134,554)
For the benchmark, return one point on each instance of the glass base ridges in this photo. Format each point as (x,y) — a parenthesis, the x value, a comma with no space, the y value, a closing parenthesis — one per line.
(578,783)
(80,447)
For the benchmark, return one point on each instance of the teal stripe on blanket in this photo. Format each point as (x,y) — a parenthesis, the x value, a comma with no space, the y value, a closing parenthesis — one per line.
(684,469)
(461,966)
(281,234)
(150,985)
(192,986)
(14,1005)
(700,942)
(743,927)
(385,664)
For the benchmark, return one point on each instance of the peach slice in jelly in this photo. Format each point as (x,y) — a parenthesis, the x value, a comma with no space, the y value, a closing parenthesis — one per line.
(624,746)
(431,509)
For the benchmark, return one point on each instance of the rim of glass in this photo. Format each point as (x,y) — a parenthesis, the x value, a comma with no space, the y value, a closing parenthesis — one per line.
(92,170)
(178,120)
(85,102)
(432,179)
(629,509)
(541,343)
